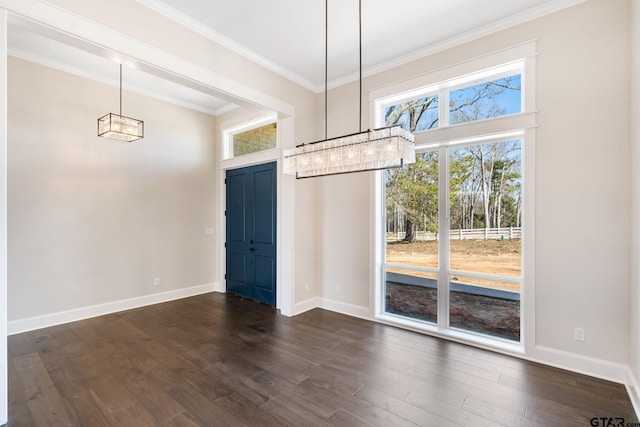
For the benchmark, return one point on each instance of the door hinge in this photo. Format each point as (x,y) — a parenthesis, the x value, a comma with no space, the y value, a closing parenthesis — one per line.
(225,244)
(225,277)
(225,180)
(225,213)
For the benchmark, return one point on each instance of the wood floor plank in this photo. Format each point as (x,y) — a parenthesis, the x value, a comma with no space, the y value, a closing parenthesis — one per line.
(326,378)
(218,360)
(291,413)
(87,411)
(345,418)
(497,411)
(80,398)
(203,409)
(403,409)
(155,400)
(246,410)
(352,404)
(184,419)
(18,410)
(448,408)
(46,406)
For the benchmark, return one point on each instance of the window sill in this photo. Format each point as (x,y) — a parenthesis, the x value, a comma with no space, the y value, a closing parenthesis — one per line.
(471,338)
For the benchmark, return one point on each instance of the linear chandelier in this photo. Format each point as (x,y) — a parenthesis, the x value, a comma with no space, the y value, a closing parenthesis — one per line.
(119,127)
(376,149)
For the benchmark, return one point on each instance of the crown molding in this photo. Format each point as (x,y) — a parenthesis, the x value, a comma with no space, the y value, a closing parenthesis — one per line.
(512,21)
(503,24)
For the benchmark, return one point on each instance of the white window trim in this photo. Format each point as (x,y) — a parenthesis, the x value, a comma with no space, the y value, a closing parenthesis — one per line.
(436,78)
(523,124)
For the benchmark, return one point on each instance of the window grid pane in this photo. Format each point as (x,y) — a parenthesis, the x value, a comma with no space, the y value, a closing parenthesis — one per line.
(494,98)
(254,140)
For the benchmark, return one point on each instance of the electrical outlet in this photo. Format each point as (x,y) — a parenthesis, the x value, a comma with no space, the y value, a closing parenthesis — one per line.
(156,281)
(578,334)
(307,286)
(209,231)
(338,287)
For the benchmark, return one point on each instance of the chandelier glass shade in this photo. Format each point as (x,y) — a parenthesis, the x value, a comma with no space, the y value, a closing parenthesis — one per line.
(376,149)
(121,128)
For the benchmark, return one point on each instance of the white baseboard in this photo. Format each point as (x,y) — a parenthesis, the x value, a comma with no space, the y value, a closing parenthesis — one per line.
(345,308)
(219,287)
(578,363)
(332,305)
(306,305)
(44,321)
(634,391)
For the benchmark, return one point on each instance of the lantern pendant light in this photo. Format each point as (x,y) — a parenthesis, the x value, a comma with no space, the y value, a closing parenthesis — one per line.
(119,127)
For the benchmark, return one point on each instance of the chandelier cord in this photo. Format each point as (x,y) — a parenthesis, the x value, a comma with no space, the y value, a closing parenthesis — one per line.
(360,47)
(326,63)
(121,89)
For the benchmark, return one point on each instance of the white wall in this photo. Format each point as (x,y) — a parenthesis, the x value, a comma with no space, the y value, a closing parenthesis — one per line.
(92,220)
(582,179)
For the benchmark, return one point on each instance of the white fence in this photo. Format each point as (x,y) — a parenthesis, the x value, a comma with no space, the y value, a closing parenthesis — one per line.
(504,233)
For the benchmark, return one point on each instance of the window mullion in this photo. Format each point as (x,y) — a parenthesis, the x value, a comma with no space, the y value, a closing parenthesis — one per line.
(443,237)
(443,108)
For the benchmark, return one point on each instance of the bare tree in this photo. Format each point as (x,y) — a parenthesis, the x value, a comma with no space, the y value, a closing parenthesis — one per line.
(413,189)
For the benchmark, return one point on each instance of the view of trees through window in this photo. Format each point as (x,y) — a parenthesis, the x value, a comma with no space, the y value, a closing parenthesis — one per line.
(484,215)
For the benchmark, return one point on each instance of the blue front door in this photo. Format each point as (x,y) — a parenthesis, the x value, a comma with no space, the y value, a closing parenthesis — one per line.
(251,232)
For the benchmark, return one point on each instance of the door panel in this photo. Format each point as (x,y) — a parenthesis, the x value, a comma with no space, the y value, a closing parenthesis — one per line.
(237,261)
(265,271)
(251,232)
(236,196)
(264,207)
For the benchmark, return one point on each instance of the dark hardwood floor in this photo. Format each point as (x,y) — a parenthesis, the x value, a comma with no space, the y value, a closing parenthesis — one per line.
(216,360)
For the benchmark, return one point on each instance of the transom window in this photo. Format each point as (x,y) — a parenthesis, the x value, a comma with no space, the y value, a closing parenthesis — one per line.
(251,137)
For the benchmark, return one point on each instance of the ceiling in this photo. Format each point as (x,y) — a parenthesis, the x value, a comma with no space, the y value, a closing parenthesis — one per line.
(288,37)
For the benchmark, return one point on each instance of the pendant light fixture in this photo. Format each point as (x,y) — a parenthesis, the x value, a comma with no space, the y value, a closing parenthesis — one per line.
(119,127)
(383,148)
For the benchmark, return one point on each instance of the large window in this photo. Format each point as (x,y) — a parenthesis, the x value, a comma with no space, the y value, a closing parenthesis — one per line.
(453,222)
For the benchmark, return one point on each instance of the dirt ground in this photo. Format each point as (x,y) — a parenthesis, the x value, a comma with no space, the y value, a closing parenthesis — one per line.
(487,315)
(491,316)
(497,257)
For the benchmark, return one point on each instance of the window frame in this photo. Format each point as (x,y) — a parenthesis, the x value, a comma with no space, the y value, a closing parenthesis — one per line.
(520,125)
(230,131)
